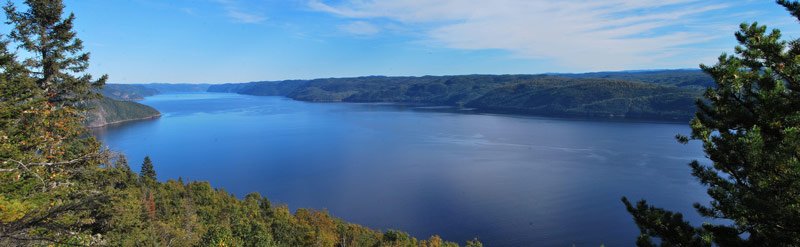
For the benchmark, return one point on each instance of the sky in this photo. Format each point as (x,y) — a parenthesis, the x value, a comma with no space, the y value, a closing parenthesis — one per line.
(220,41)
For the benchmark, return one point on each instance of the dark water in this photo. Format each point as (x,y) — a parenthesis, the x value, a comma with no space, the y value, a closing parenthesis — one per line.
(511,181)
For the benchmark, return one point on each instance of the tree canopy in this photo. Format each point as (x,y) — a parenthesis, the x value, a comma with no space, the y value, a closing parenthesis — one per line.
(148,172)
(49,170)
(749,125)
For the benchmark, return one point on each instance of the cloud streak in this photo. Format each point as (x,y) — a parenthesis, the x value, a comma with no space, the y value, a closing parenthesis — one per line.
(584,35)
(360,28)
(237,14)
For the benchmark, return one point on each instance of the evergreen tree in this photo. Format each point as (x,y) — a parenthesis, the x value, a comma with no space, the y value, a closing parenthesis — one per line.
(122,173)
(749,125)
(122,163)
(58,57)
(475,243)
(49,165)
(148,172)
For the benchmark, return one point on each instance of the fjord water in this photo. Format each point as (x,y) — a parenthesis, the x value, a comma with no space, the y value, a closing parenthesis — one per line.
(508,180)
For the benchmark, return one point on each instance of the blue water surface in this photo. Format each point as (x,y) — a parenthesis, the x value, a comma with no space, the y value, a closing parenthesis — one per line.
(508,180)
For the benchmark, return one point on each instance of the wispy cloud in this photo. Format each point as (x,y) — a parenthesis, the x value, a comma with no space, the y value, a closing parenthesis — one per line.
(591,35)
(238,14)
(188,11)
(360,28)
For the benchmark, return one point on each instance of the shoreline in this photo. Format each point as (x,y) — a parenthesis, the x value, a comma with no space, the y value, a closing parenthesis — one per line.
(498,111)
(124,121)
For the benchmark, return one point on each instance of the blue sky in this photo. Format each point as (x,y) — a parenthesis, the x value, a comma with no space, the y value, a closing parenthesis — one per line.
(216,41)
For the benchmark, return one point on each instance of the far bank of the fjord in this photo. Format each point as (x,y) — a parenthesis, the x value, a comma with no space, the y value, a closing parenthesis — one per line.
(665,95)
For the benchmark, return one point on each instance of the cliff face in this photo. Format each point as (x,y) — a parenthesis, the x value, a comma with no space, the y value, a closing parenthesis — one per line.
(107,111)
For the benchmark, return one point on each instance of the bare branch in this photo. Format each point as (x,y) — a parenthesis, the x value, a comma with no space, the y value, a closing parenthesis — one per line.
(61,163)
(44,187)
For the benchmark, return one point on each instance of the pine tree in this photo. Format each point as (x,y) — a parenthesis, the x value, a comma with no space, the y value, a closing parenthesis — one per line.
(59,58)
(49,166)
(122,163)
(122,171)
(148,172)
(749,125)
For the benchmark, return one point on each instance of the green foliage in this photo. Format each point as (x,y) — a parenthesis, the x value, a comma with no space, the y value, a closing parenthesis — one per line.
(218,236)
(680,78)
(129,92)
(116,106)
(590,98)
(398,238)
(148,172)
(58,52)
(668,226)
(476,243)
(195,214)
(51,175)
(750,129)
(525,94)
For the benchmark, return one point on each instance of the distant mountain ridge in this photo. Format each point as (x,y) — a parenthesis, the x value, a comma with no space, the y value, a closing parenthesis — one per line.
(678,77)
(173,87)
(127,91)
(140,91)
(658,95)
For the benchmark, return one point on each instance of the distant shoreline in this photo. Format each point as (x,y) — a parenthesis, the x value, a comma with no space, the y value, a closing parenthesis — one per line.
(491,111)
(667,96)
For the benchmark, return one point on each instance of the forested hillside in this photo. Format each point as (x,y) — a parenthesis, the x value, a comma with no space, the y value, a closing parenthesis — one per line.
(127,91)
(689,78)
(117,104)
(662,98)
(139,91)
(176,213)
(109,111)
(590,98)
(175,87)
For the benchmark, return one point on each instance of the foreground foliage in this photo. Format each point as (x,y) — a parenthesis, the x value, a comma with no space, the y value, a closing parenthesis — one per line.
(58,186)
(176,213)
(750,130)
(48,168)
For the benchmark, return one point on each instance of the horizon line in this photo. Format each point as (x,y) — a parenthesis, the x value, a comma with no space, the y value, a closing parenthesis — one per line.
(341,77)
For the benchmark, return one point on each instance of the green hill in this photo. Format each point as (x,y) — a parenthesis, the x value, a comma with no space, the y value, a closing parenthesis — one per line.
(140,91)
(127,91)
(117,104)
(662,95)
(590,98)
(107,111)
(689,78)
(175,87)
